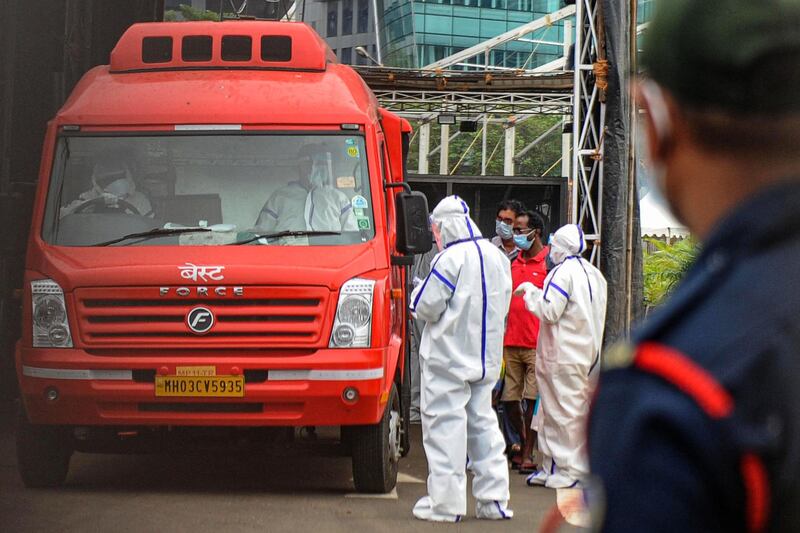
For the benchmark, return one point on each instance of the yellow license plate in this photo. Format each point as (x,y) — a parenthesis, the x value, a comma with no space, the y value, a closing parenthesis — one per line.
(202,386)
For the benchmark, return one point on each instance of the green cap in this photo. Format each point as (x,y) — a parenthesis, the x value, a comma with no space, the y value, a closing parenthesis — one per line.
(740,56)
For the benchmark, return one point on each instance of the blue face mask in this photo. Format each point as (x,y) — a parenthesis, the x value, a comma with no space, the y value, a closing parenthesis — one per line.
(522,242)
(503,230)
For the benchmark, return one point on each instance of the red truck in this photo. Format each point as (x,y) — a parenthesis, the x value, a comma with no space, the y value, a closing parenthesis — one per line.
(220,235)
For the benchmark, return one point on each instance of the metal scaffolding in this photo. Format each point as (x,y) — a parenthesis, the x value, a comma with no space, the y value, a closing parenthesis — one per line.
(588,123)
(420,104)
(508,96)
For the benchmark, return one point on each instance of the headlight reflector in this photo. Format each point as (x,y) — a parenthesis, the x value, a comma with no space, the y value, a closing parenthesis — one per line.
(49,311)
(352,327)
(50,324)
(355,310)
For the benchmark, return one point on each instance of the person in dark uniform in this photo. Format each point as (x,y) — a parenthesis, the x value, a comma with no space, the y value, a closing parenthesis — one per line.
(696,424)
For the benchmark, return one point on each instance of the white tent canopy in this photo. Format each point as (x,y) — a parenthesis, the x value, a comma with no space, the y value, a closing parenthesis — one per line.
(657,221)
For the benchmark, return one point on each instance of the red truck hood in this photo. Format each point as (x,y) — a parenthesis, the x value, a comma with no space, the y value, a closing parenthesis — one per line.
(136,266)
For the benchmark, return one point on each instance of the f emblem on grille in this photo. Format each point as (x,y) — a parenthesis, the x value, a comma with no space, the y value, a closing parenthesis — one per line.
(200,320)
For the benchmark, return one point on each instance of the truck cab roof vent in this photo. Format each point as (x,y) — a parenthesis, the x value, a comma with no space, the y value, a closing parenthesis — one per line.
(248,45)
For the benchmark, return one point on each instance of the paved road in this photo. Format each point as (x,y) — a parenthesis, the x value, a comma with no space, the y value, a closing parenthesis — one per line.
(307,488)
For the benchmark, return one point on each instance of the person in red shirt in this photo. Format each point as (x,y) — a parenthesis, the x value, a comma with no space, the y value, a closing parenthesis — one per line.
(522,331)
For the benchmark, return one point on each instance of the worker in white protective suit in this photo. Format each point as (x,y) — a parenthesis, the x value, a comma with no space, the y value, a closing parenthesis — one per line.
(463,302)
(113,189)
(311,203)
(572,311)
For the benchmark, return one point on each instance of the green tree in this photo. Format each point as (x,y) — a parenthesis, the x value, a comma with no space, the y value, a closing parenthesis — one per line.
(465,149)
(665,267)
(187,12)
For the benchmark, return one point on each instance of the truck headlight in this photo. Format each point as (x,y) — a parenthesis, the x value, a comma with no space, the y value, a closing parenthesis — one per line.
(50,325)
(352,327)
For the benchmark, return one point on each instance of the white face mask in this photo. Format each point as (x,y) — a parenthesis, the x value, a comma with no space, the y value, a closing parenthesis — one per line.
(119,188)
(318,175)
(321,171)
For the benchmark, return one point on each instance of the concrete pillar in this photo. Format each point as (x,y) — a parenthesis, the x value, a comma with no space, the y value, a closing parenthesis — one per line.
(424,147)
(566,138)
(566,154)
(483,143)
(444,151)
(508,160)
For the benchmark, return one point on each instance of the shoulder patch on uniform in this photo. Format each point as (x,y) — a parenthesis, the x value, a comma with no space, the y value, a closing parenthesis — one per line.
(619,355)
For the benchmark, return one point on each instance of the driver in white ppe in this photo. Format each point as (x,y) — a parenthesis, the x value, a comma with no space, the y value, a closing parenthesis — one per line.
(112,181)
(572,311)
(463,302)
(311,203)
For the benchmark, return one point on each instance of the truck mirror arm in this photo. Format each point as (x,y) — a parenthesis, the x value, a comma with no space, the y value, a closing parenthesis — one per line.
(404,185)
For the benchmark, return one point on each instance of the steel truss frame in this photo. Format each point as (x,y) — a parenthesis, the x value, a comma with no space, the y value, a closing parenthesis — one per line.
(420,104)
(588,125)
(583,150)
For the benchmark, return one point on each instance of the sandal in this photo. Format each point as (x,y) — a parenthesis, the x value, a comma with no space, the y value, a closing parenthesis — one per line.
(528,467)
(516,461)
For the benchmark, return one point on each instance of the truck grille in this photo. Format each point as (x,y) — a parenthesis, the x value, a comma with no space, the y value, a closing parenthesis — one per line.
(262,317)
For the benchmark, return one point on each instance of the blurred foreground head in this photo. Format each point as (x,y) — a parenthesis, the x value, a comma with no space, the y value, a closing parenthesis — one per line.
(722,101)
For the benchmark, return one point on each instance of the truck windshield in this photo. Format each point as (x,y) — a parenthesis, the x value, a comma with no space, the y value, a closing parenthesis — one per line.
(202,189)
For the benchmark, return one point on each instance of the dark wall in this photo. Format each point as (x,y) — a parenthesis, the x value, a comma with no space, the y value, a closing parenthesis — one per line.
(46,47)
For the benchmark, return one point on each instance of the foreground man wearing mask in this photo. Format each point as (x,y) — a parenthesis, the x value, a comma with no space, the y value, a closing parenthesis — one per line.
(572,313)
(463,301)
(696,426)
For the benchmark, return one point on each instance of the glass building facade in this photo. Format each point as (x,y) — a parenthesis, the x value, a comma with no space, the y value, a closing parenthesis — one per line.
(415,33)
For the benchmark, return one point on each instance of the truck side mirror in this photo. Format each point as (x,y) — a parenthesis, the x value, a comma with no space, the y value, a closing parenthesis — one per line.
(413,228)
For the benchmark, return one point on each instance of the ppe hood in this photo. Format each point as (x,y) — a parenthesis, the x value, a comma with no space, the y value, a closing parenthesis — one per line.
(566,242)
(451,215)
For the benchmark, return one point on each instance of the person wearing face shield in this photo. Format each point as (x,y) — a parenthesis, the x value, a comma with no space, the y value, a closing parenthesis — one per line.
(312,203)
(112,181)
(696,423)
(571,308)
(507,212)
(463,302)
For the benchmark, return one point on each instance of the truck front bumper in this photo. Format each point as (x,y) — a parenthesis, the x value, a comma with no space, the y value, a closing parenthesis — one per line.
(73,387)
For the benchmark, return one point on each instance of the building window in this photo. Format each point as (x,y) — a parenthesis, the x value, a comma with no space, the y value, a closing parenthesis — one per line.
(347,55)
(347,17)
(333,18)
(363,16)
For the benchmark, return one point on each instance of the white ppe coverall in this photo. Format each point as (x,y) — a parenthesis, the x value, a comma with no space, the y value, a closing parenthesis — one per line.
(311,205)
(328,209)
(463,302)
(572,310)
(113,181)
(296,208)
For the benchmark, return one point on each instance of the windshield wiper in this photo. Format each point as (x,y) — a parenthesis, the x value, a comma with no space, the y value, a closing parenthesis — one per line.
(286,234)
(155,232)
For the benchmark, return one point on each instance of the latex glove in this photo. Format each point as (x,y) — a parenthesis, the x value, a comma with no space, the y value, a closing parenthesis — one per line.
(523,288)
(110,199)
